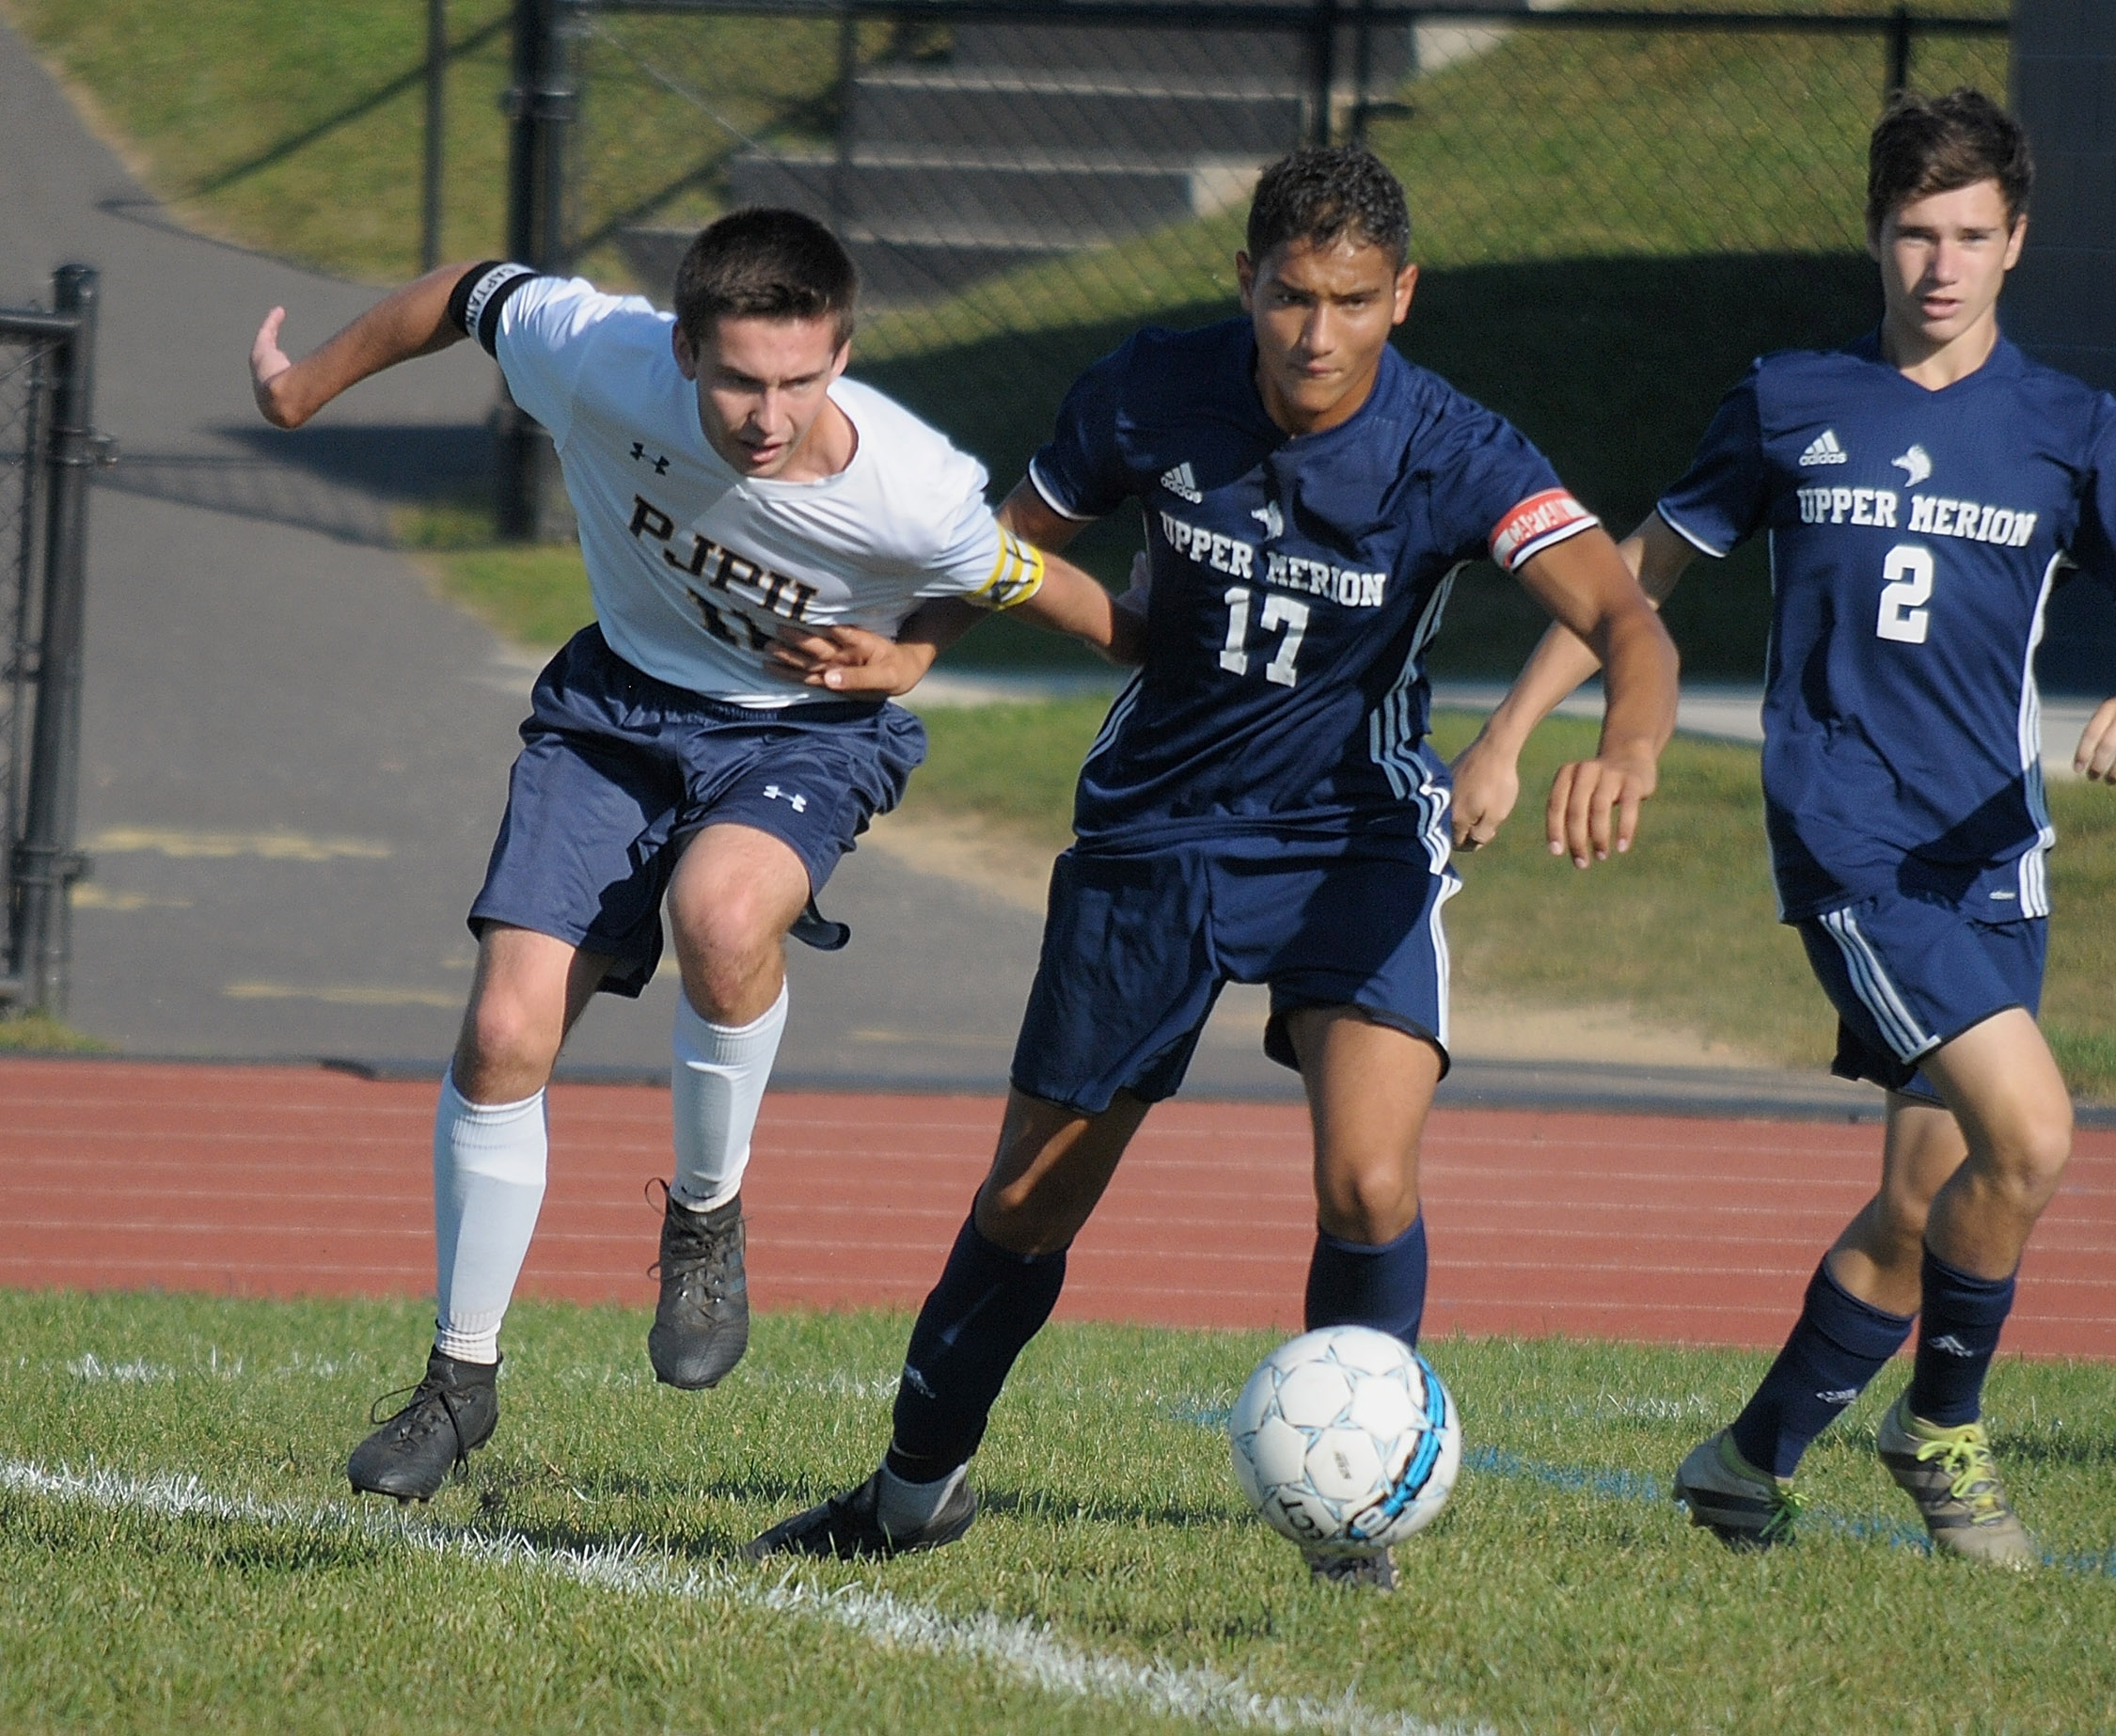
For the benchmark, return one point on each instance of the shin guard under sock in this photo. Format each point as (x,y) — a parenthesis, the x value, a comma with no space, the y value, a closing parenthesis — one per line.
(717,1083)
(488,1186)
(1353,1284)
(989,1302)
(1834,1350)
(1958,1328)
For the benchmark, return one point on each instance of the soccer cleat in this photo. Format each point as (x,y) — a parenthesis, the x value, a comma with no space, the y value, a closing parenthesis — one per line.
(451,1415)
(1367,1570)
(702,1324)
(1950,1474)
(848,1527)
(1744,1508)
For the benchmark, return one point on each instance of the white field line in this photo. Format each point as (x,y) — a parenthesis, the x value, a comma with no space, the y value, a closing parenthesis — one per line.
(1023,1651)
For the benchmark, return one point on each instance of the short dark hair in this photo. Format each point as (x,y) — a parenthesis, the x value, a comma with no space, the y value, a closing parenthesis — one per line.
(763,263)
(1927,145)
(1322,194)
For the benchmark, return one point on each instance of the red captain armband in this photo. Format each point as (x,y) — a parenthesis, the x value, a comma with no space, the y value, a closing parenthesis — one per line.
(1540,522)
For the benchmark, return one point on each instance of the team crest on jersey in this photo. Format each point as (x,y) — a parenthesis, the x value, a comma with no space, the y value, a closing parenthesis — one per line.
(1271,518)
(1181,483)
(1917,465)
(1824,450)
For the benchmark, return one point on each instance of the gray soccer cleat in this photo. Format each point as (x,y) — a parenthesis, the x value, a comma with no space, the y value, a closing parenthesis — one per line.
(451,1414)
(849,1527)
(702,1322)
(1952,1476)
(1365,1569)
(1744,1508)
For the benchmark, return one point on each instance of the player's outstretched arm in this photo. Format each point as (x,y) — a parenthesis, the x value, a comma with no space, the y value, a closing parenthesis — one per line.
(1587,588)
(2095,756)
(859,664)
(413,321)
(1486,773)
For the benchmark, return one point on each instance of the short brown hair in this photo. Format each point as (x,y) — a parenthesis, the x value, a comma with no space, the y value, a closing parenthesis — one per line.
(1324,194)
(1927,145)
(764,263)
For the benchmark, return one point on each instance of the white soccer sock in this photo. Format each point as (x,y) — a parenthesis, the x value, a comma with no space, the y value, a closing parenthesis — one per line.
(906,1507)
(488,1183)
(716,1086)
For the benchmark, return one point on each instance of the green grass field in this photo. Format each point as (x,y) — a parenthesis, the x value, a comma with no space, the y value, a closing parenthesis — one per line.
(1683,930)
(177,1551)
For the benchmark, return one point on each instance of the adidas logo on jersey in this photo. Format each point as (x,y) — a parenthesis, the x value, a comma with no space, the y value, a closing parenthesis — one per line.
(1824,450)
(1180,482)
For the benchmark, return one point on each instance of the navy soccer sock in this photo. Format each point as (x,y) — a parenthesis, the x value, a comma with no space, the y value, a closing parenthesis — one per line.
(1836,1347)
(988,1303)
(1355,1284)
(1958,1330)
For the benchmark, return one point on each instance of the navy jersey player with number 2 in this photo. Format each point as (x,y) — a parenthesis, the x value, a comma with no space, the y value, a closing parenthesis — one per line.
(1923,489)
(1260,805)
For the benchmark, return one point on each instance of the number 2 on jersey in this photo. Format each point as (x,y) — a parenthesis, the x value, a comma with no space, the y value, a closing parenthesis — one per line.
(1279,611)
(1904,617)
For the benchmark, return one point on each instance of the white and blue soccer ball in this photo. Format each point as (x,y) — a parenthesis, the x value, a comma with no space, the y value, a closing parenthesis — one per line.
(1346,1439)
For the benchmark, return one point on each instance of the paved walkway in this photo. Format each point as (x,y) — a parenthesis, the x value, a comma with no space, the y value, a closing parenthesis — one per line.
(297,1181)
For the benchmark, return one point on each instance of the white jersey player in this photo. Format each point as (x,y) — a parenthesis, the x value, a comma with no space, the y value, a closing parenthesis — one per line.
(757,531)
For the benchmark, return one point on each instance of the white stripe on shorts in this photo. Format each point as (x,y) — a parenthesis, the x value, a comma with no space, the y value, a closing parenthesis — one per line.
(1870,982)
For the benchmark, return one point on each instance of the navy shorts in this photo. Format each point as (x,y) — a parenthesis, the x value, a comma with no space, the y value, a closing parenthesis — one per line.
(1907,974)
(617,768)
(1137,946)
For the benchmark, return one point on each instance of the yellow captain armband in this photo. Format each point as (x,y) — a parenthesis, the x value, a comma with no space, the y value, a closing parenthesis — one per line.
(1017,575)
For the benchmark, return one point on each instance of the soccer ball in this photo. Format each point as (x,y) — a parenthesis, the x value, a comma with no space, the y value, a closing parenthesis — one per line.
(1345,1438)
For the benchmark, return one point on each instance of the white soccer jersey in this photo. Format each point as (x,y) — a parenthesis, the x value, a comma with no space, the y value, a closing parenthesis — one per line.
(694,567)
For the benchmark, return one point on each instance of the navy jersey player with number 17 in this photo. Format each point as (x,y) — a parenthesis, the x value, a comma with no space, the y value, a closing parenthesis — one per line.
(1260,805)
(1923,489)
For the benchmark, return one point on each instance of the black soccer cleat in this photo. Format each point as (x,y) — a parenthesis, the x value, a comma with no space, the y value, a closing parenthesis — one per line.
(848,1527)
(702,1324)
(451,1415)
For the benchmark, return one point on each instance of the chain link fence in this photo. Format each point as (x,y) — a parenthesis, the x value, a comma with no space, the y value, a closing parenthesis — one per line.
(1612,211)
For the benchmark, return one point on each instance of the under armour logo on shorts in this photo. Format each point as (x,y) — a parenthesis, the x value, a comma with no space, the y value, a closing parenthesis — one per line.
(773,793)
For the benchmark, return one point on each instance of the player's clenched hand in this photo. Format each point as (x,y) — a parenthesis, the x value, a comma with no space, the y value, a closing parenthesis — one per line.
(268,362)
(1594,805)
(1487,785)
(2095,756)
(850,661)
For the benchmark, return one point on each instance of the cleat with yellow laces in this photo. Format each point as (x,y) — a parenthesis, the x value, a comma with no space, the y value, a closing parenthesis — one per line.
(1950,1474)
(1744,1508)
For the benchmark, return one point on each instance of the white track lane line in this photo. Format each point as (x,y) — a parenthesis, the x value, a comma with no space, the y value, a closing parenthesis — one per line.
(1023,1651)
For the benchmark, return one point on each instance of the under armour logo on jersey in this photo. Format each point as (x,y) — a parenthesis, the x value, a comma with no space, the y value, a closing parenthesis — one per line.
(773,793)
(1917,465)
(1824,450)
(1182,482)
(660,464)
(1271,518)
(1950,1344)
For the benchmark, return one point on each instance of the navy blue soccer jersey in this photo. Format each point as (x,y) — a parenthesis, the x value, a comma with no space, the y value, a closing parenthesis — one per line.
(1915,536)
(1297,581)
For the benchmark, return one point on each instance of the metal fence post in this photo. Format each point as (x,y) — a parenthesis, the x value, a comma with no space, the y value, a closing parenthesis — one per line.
(540,105)
(1324,51)
(436,112)
(47,862)
(1899,52)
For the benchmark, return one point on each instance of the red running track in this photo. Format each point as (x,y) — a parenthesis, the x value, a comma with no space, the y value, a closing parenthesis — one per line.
(273,1181)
